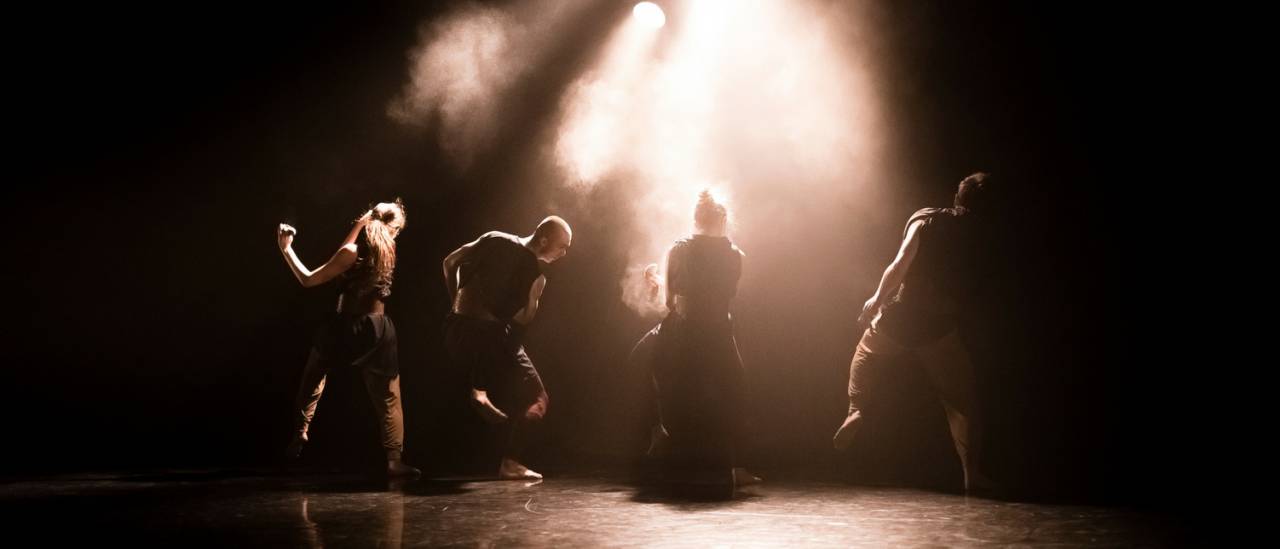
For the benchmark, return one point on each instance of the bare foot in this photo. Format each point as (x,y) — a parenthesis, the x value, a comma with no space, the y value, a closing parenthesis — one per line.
(980,485)
(486,409)
(397,468)
(743,477)
(844,435)
(295,446)
(513,470)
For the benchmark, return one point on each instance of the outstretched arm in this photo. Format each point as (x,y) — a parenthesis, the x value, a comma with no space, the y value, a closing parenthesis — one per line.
(341,260)
(893,274)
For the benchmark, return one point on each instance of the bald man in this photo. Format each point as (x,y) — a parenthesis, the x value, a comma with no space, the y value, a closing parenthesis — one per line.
(495,283)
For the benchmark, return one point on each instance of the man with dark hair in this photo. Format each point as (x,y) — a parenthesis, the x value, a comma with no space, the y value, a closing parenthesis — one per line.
(495,283)
(916,309)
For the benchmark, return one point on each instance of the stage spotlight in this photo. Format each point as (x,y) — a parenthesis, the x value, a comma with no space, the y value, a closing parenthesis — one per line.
(649,14)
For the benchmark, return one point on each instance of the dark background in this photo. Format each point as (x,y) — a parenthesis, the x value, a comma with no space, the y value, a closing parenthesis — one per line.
(155,326)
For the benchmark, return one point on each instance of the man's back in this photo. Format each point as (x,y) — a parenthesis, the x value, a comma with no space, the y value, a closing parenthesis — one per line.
(496,276)
(943,277)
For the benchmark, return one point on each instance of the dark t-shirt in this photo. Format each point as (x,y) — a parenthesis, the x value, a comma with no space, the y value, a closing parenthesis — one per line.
(943,277)
(501,270)
(705,269)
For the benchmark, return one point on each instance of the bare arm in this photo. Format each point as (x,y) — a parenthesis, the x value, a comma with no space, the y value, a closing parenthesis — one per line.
(893,274)
(451,263)
(342,259)
(525,316)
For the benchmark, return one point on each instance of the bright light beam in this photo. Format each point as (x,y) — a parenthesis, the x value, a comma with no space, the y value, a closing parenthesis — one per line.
(649,14)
